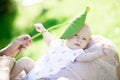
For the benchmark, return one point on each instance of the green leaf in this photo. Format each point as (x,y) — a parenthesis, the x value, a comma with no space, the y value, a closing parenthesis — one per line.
(75,26)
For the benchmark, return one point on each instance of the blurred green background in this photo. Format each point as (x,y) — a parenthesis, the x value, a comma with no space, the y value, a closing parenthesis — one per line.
(18,16)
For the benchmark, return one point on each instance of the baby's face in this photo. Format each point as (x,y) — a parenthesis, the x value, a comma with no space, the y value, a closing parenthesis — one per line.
(80,40)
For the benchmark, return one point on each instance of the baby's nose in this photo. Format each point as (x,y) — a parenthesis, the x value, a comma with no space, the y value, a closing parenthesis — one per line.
(79,40)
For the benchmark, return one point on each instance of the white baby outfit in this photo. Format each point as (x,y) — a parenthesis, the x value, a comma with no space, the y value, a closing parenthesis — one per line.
(57,57)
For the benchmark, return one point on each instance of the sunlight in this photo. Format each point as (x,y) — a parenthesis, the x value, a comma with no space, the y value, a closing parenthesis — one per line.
(30,2)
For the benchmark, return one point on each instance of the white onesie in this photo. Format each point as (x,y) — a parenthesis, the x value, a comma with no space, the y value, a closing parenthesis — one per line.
(57,57)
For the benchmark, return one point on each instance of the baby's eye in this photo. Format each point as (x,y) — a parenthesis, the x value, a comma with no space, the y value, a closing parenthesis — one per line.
(75,34)
(84,39)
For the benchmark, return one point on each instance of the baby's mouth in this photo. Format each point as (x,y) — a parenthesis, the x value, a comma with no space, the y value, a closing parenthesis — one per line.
(77,44)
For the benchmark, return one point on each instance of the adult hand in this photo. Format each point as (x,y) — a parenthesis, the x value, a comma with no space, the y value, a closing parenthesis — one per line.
(20,43)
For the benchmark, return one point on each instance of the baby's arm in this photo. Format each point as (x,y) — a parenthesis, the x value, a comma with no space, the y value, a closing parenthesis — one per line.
(99,52)
(46,35)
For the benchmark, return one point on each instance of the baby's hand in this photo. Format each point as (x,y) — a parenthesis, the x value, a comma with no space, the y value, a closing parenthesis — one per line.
(104,48)
(40,28)
(108,49)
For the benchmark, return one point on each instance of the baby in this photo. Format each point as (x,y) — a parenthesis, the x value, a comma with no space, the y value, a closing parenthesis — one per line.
(60,54)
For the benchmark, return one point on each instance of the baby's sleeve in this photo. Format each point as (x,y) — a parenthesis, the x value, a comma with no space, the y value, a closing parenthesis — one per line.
(55,42)
(76,54)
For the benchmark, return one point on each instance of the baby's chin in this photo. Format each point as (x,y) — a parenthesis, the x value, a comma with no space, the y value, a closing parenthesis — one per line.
(75,47)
